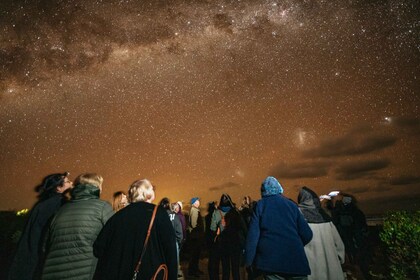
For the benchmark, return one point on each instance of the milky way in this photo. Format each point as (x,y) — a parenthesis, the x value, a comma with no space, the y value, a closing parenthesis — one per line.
(205,97)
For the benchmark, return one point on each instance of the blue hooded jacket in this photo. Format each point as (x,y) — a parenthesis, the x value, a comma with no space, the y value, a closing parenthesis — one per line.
(276,238)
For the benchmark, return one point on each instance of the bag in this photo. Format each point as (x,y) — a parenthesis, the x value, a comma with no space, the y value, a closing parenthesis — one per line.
(162,267)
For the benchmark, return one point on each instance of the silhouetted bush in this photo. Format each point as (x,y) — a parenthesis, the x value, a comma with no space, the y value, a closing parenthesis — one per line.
(401,237)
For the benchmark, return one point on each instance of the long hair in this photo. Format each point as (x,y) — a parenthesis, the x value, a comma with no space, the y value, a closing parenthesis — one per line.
(50,184)
(117,203)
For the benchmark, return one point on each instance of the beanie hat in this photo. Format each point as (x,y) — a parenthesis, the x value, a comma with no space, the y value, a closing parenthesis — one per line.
(194,199)
(180,204)
(271,186)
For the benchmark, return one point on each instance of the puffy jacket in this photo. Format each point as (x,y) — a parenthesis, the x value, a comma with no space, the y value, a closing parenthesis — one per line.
(72,234)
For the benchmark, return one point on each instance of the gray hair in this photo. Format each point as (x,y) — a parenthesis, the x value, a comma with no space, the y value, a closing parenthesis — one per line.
(141,190)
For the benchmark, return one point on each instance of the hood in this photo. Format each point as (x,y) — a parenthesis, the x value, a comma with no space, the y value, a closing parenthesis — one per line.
(271,186)
(83,192)
(310,206)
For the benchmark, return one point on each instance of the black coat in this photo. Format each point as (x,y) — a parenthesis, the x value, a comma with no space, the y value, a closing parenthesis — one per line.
(120,242)
(29,255)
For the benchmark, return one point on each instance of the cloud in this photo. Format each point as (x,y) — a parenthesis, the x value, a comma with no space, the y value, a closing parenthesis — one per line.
(360,169)
(224,186)
(410,125)
(405,180)
(355,143)
(357,190)
(300,170)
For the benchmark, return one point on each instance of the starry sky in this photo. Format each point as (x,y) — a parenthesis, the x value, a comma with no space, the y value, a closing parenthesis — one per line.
(204,97)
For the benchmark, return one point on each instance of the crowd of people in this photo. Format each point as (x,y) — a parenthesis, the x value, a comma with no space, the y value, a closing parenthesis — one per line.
(80,236)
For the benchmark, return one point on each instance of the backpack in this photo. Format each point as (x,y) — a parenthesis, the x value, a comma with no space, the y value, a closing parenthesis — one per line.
(222,223)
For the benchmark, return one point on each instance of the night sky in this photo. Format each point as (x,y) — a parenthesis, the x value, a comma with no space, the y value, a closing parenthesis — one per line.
(205,97)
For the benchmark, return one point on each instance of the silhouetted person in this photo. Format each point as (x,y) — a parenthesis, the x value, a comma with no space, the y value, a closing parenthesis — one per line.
(230,237)
(176,224)
(325,252)
(210,235)
(352,227)
(196,236)
(28,260)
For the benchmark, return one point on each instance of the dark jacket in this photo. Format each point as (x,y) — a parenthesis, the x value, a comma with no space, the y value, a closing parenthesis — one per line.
(119,245)
(183,224)
(72,233)
(176,224)
(29,256)
(276,238)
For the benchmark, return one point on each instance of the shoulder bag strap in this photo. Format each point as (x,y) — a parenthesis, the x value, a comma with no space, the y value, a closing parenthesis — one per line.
(136,270)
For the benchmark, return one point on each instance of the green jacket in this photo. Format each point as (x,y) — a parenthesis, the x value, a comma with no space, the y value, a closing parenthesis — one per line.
(72,233)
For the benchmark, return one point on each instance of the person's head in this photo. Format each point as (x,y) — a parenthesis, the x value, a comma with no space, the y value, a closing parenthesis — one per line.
(195,202)
(141,190)
(165,203)
(348,199)
(270,187)
(211,206)
(92,179)
(55,183)
(325,201)
(174,207)
(226,201)
(119,201)
(178,207)
(308,198)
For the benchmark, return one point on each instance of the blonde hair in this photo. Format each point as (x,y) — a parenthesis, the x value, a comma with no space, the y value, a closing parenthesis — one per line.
(117,203)
(89,178)
(141,190)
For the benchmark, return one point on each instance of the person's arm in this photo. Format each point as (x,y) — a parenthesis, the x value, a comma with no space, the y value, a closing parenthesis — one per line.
(166,235)
(107,212)
(252,238)
(304,230)
(178,229)
(102,240)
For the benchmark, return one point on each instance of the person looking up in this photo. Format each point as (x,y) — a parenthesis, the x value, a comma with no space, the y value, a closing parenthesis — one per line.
(27,263)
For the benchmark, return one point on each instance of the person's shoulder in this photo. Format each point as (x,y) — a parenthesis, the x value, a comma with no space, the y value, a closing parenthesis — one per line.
(103,202)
